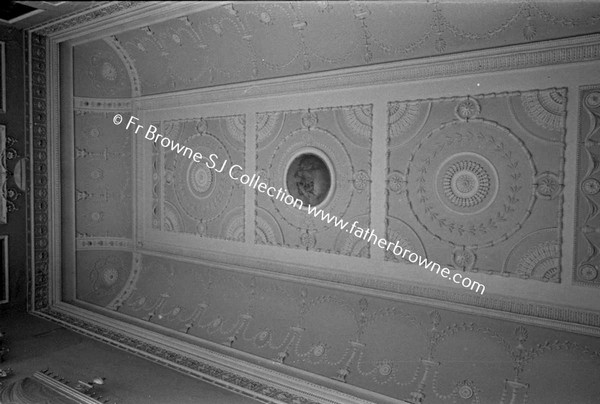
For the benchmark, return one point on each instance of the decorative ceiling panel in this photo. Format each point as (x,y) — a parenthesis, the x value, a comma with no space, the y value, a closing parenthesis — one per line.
(479,180)
(197,198)
(249,41)
(322,158)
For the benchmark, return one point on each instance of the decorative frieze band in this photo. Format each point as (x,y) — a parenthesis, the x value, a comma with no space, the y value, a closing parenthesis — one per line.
(101,243)
(561,318)
(101,104)
(549,53)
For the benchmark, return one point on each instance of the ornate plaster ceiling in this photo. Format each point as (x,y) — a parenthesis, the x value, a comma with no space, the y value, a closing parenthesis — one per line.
(249,41)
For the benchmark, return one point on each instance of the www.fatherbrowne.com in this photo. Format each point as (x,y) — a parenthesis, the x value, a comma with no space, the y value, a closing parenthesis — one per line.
(212,161)
(369,236)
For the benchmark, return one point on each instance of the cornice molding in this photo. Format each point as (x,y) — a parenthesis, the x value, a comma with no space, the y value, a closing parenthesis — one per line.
(82,16)
(60,385)
(223,370)
(38,107)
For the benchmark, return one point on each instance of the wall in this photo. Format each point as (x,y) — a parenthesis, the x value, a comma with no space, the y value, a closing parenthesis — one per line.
(473,161)
(16,148)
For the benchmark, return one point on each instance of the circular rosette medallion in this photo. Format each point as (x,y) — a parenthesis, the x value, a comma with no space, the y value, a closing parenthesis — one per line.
(202,192)
(466,183)
(312,174)
(470,183)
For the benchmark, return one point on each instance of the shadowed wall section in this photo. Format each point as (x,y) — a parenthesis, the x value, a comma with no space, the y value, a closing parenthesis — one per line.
(16,153)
